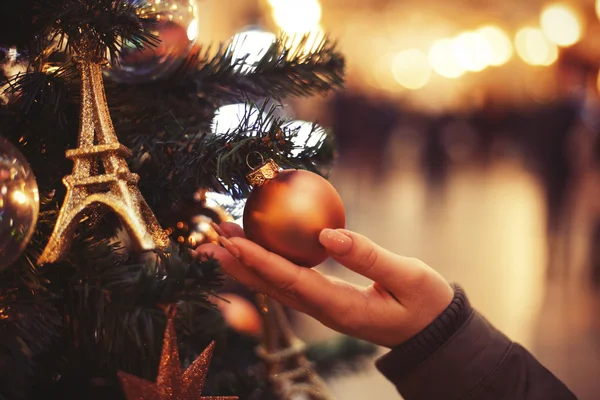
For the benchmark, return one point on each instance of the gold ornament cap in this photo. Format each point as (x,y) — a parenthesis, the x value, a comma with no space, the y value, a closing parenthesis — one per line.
(265,171)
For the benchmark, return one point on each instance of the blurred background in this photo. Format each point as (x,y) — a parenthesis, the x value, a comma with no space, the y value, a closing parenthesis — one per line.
(467,137)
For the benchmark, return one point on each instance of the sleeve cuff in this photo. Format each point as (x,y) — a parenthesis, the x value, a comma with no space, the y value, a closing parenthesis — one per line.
(404,358)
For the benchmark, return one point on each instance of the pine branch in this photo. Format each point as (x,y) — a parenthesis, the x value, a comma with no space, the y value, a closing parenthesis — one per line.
(342,356)
(290,67)
(106,25)
(50,89)
(173,171)
(73,322)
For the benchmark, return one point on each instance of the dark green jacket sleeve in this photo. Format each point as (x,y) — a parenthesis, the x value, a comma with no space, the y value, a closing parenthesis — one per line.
(461,356)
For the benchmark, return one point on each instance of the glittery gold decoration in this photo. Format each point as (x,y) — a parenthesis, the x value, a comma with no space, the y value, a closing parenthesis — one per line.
(266,171)
(290,373)
(171,383)
(116,188)
(197,230)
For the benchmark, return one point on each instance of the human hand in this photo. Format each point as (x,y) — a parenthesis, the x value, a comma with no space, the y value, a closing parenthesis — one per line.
(406,296)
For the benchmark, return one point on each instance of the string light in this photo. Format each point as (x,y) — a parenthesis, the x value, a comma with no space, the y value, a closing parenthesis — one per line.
(442,60)
(232,116)
(561,24)
(411,69)
(472,51)
(534,47)
(249,48)
(192,30)
(297,17)
(500,45)
(306,135)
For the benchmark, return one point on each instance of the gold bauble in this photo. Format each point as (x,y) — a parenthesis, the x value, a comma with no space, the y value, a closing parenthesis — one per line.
(286,213)
(196,230)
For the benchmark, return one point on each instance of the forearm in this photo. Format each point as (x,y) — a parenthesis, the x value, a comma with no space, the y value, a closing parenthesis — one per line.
(461,356)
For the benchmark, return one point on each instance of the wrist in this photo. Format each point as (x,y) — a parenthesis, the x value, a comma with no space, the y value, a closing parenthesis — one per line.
(406,356)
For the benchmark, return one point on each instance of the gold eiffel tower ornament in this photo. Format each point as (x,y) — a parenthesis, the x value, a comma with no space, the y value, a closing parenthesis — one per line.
(291,375)
(87,188)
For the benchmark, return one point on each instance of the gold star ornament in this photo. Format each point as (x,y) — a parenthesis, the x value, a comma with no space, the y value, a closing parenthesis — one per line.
(172,383)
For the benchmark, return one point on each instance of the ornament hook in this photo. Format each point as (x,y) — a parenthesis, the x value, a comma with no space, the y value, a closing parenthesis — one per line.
(262,160)
(266,171)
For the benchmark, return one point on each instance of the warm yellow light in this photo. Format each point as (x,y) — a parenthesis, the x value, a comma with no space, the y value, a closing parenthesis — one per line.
(442,60)
(192,30)
(499,42)
(534,48)
(598,8)
(411,69)
(297,17)
(19,197)
(309,42)
(472,51)
(561,24)
(598,81)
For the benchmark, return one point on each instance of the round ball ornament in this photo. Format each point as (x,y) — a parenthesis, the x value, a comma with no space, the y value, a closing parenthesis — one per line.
(287,210)
(175,24)
(191,226)
(240,314)
(19,203)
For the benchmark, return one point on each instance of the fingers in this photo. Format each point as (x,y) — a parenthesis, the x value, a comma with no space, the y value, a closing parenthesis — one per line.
(232,266)
(305,286)
(396,273)
(231,229)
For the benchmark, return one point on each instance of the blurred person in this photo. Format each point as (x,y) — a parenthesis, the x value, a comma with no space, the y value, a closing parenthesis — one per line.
(363,127)
(440,347)
(435,159)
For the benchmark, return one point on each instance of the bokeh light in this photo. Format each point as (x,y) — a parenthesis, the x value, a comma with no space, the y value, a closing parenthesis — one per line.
(411,69)
(192,30)
(472,51)
(598,8)
(230,117)
(442,60)
(251,47)
(500,45)
(297,17)
(305,135)
(235,208)
(534,47)
(310,42)
(561,24)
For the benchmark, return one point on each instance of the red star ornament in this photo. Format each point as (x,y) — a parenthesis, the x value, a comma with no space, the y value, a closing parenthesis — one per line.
(171,383)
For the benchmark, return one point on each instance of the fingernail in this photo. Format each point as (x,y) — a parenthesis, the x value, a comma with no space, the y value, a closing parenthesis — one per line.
(218,229)
(335,241)
(230,247)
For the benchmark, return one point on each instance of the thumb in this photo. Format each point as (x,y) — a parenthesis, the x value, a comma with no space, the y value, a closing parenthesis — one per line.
(366,258)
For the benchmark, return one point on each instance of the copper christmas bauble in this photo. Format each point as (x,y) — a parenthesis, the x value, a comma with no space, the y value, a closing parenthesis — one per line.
(286,214)
(240,314)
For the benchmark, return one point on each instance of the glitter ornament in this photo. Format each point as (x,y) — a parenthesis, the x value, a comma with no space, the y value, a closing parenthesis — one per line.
(87,187)
(287,210)
(191,226)
(172,383)
(291,375)
(19,203)
(175,24)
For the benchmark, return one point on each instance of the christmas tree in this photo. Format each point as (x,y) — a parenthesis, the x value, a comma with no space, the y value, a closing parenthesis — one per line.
(111,105)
